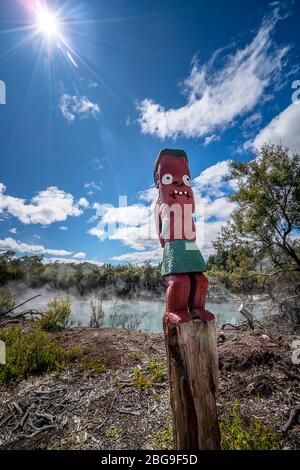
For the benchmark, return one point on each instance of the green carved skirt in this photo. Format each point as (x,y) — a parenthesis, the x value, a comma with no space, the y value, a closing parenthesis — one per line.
(182,256)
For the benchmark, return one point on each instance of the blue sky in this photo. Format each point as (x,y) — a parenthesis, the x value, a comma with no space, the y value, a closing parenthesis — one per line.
(89,107)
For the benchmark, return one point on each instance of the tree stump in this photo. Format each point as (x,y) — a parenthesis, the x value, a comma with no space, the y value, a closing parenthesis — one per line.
(193,373)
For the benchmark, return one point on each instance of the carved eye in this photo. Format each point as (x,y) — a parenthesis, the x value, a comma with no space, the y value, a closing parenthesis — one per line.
(187,180)
(167,179)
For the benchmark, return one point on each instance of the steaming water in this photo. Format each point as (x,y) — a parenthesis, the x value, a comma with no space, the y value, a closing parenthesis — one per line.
(226,312)
(153,310)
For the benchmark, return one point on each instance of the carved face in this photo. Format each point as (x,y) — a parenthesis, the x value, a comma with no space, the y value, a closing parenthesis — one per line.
(174,181)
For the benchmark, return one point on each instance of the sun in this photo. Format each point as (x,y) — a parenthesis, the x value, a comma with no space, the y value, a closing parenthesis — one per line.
(47,23)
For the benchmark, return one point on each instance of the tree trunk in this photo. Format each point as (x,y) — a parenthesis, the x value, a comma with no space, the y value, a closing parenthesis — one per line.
(193,373)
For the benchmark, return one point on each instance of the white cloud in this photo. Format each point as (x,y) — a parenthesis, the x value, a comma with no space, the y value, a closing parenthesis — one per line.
(153,256)
(63,228)
(13,230)
(218,208)
(77,106)
(98,163)
(283,129)
(252,120)
(149,195)
(83,203)
(48,206)
(133,225)
(211,230)
(92,187)
(213,175)
(92,219)
(99,233)
(131,215)
(217,96)
(80,255)
(72,260)
(20,247)
(93,84)
(211,138)
(137,237)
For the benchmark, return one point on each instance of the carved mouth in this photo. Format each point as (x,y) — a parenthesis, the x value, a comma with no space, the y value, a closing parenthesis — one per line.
(177,193)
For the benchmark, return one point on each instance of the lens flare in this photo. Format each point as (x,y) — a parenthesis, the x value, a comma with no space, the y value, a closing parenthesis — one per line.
(47,23)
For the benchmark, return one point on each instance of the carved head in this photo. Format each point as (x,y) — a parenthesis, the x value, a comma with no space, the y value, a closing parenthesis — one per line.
(172,178)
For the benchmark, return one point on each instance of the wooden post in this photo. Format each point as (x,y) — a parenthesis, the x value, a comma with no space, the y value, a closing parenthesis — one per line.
(193,374)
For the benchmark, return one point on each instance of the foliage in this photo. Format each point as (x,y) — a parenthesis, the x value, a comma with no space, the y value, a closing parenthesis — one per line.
(57,315)
(97,365)
(7,300)
(31,353)
(117,280)
(97,315)
(135,356)
(117,382)
(267,208)
(157,371)
(122,317)
(163,439)
(141,380)
(112,432)
(235,435)
(10,268)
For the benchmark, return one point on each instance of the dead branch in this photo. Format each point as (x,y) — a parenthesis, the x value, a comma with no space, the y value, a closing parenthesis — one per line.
(6,419)
(128,411)
(287,299)
(269,274)
(289,373)
(44,428)
(236,327)
(295,413)
(20,305)
(100,426)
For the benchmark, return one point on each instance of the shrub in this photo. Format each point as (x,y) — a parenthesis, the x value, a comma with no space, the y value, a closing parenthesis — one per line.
(97,365)
(236,436)
(163,439)
(97,314)
(141,380)
(122,317)
(112,432)
(57,315)
(7,300)
(157,371)
(31,353)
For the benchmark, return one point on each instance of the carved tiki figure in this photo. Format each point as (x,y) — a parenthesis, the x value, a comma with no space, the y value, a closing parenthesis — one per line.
(183,264)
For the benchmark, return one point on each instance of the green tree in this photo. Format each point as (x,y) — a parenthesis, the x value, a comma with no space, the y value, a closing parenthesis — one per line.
(10,268)
(267,213)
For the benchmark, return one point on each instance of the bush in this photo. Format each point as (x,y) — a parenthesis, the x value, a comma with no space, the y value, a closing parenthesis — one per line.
(140,380)
(7,300)
(57,315)
(163,439)
(235,435)
(157,371)
(97,314)
(31,353)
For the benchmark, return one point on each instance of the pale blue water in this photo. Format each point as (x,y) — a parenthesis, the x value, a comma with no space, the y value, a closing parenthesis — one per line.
(132,310)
